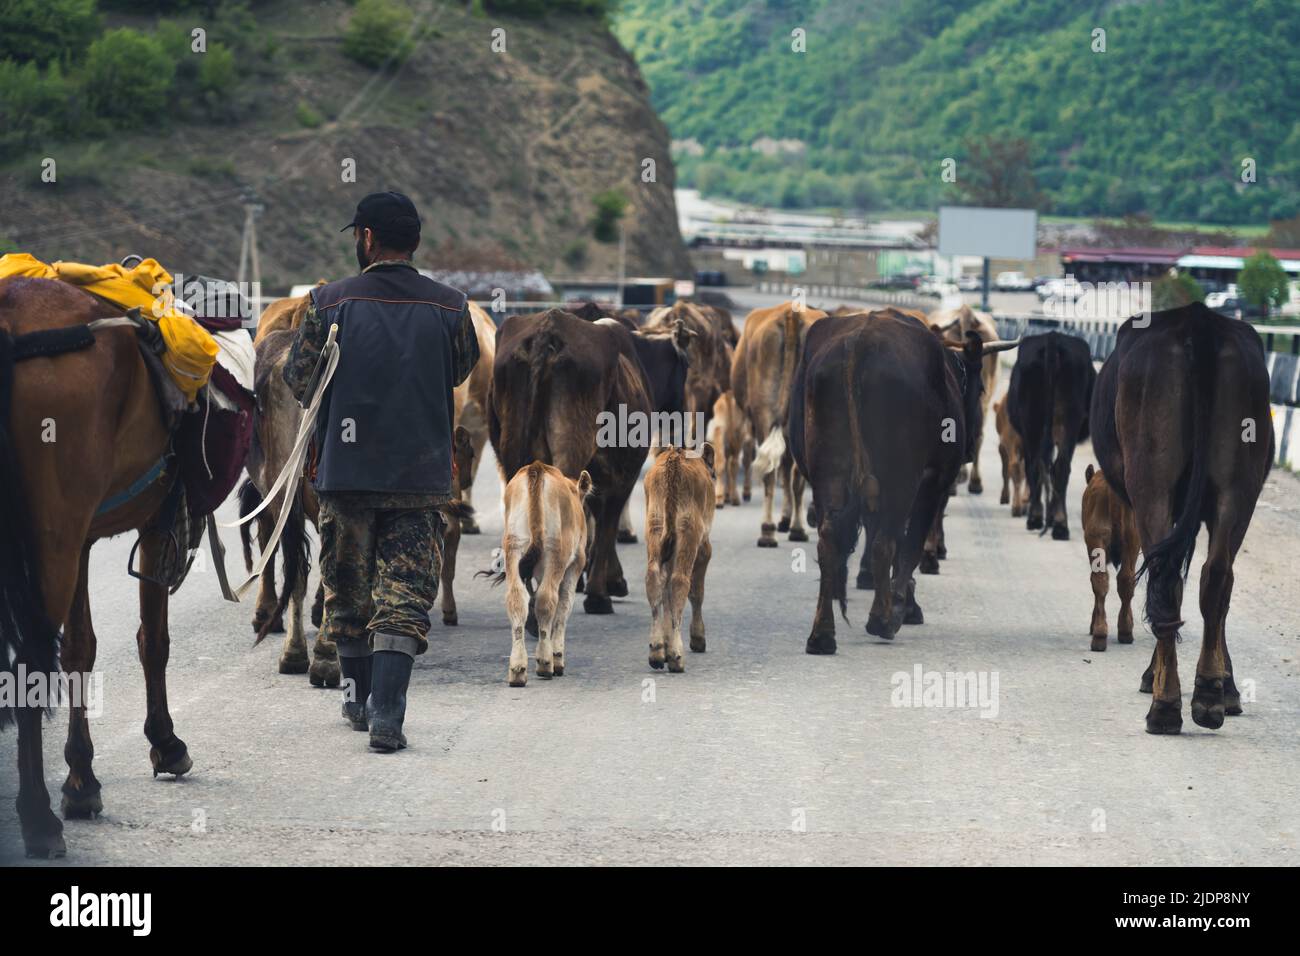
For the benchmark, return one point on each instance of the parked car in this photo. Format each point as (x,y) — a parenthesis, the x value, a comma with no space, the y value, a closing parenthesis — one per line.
(1059,289)
(970,283)
(1013,282)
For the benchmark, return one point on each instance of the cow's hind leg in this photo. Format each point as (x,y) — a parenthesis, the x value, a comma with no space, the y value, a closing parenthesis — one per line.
(167,752)
(517,611)
(546,601)
(563,608)
(697,595)
(1094,539)
(787,472)
(81,791)
(1212,673)
(655,585)
(797,484)
(767,532)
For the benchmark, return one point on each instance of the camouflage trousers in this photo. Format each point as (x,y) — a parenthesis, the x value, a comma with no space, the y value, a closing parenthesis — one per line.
(380,569)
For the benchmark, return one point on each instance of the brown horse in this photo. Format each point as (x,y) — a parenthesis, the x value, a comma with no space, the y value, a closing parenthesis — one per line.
(1183,432)
(57,497)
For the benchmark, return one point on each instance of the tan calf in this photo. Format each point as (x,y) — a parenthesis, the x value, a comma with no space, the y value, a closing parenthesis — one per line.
(728,434)
(545,536)
(1012,451)
(1110,532)
(678,515)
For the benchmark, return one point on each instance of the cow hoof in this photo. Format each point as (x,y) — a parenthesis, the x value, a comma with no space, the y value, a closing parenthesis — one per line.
(798,534)
(175,760)
(866,582)
(294,663)
(675,665)
(976,487)
(1207,703)
(1098,643)
(1125,638)
(820,644)
(657,659)
(44,840)
(558,670)
(878,628)
(719,502)
(1034,523)
(514,681)
(1004,499)
(811,517)
(451,619)
(1017,512)
(597,604)
(616,587)
(697,645)
(929,564)
(942,552)
(544,672)
(747,495)
(1060,532)
(324,672)
(1148,682)
(626,537)
(914,615)
(81,804)
(767,542)
(1165,717)
(469,526)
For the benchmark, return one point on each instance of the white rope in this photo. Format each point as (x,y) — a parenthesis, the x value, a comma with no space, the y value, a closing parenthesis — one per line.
(292,467)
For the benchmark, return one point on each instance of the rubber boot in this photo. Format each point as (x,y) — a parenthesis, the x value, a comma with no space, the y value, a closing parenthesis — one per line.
(357,670)
(386,706)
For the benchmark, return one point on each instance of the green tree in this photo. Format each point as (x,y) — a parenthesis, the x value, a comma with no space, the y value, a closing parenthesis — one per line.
(1174,291)
(377,33)
(45,30)
(217,74)
(610,207)
(998,172)
(1263,282)
(128,76)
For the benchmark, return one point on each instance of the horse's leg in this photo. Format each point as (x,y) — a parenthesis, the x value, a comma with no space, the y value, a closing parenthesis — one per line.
(266,598)
(81,790)
(450,548)
(167,752)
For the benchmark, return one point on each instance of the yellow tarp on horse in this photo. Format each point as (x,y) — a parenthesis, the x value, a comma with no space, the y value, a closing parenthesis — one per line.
(191,350)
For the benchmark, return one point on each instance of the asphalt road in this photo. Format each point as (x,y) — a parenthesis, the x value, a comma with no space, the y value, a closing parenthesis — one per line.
(759,753)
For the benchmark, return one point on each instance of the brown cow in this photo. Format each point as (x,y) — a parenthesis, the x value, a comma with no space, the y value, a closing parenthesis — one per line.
(1012,451)
(678,517)
(762,374)
(706,350)
(471,398)
(729,435)
(955,323)
(1183,431)
(561,387)
(545,535)
(1111,536)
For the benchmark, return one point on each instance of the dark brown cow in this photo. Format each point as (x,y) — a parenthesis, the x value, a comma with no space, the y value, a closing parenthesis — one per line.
(1184,434)
(554,376)
(710,365)
(1111,537)
(882,416)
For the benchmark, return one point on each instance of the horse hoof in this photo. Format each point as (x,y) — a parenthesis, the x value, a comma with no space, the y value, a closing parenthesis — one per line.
(616,587)
(929,564)
(598,604)
(294,664)
(1148,682)
(176,761)
(914,615)
(798,534)
(450,618)
(1098,643)
(626,537)
(866,581)
(1165,717)
(1207,703)
(45,841)
(324,672)
(81,805)
(697,645)
(976,487)
(878,628)
(1060,532)
(820,644)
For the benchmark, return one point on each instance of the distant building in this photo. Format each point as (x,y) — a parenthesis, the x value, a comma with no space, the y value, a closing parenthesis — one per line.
(518,286)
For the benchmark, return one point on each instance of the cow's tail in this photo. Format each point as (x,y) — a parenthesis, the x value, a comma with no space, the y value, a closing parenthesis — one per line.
(249,499)
(1051,376)
(771,451)
(1166,564)
(26,634)
(295,552)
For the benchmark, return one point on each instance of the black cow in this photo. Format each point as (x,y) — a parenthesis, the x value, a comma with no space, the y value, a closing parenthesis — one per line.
(881,417)
(1184,433)
(1047,402)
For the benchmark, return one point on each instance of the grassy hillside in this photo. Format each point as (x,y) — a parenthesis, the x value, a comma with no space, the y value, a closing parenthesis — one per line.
(1159,123)
(509,155)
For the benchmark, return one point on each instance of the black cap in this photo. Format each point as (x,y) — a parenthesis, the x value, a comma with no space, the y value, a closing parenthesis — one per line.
(391,215)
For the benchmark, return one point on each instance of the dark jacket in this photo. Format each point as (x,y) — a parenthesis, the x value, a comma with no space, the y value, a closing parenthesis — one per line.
(405,342)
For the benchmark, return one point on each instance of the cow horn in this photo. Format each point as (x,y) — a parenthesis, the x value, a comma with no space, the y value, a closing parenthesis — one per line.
(951,325)
(1000,345)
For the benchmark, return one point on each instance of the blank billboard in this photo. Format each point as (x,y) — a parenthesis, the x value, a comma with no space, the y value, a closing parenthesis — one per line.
(994,233)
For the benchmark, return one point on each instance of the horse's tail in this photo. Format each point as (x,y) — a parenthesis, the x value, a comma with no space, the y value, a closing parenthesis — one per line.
(249,499)
(295,551)
(26,634)
(1167,563)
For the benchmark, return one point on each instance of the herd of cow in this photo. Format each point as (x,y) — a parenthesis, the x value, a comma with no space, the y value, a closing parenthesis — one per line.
(881,413)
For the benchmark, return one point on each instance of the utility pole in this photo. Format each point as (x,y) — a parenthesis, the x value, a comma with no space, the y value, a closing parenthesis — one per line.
(622,259)
(248,255)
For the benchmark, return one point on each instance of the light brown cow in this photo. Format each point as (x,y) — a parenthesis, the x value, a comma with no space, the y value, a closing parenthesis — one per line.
(762,375)
(1110,532)
(729,436)
(471,400)
(955,323)
(1012,451)
(546,535)
(678,516)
